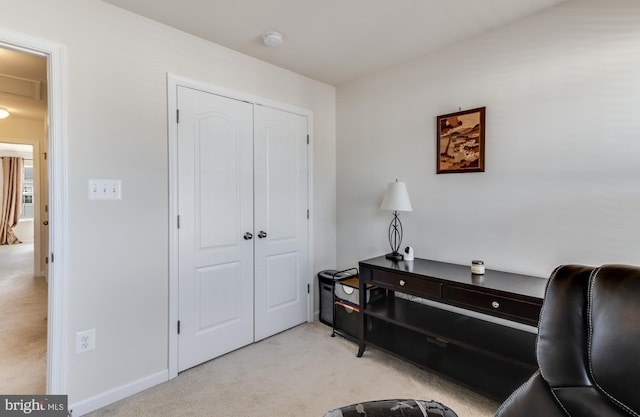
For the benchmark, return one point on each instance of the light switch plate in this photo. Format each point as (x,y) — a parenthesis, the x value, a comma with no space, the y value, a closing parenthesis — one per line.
(105,190)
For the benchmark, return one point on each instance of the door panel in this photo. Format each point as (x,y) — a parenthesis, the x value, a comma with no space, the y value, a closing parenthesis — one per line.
(282,286)
(280,180)
(215,199)
(213,307)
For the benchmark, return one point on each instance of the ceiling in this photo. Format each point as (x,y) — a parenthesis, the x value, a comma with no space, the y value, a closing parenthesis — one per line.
(336,41)
(23,84)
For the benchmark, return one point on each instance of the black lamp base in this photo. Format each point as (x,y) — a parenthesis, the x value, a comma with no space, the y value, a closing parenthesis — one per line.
(395,256)
(395,237)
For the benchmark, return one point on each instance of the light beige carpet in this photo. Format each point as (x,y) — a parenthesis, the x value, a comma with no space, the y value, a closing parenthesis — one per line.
(23,308)
(302,372)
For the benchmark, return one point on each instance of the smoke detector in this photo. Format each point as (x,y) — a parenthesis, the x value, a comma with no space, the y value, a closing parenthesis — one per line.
(272,38)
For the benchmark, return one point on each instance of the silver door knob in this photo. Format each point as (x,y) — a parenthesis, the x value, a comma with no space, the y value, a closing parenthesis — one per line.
(262,234)
(402,283)
(495,304)
(247,236)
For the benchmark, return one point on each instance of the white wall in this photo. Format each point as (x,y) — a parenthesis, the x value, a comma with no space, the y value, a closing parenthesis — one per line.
(562,180)
(20,130)
(116,68)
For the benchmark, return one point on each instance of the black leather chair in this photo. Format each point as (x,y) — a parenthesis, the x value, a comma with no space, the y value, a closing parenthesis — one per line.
(588,347)
(588,351)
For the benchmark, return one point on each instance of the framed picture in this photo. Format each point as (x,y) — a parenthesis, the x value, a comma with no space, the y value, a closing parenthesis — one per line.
(460,141)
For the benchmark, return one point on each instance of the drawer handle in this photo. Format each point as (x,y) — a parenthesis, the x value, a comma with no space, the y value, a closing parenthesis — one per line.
(402,283)
(495,304)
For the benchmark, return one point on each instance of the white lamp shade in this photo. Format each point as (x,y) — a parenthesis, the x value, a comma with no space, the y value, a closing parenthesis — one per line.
(396,198)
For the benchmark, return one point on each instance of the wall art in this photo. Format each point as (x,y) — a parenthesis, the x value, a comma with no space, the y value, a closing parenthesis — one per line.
(460,141)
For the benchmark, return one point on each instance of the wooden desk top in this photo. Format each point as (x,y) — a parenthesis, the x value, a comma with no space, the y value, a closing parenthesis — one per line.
(525,285)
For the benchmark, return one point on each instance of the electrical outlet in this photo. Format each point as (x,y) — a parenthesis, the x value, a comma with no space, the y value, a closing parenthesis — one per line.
(85,341)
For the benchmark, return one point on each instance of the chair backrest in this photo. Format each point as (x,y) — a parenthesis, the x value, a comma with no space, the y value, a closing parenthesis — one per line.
(614,335)
(589,340)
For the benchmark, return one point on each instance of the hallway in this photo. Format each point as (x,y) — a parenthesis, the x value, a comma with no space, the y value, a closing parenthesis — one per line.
(23,308)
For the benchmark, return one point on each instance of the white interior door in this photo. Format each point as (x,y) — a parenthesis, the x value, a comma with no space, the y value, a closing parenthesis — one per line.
(215,194)
(281,224)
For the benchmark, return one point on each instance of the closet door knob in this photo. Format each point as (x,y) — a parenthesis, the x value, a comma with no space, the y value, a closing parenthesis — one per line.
(262,234)
(247,236)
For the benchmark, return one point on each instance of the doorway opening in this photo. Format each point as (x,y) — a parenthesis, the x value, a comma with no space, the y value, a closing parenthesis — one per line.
(47,136)
(23,247)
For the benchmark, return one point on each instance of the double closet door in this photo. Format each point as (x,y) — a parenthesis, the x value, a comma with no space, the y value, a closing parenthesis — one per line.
(243,233)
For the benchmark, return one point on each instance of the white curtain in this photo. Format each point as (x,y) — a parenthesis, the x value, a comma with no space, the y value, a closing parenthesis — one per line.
(12,174)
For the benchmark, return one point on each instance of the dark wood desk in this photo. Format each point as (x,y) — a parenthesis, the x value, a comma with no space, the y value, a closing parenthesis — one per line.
(489,356)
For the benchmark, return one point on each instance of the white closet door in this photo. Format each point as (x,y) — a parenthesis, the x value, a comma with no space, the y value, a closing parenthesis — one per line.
(215,147)
(281,225)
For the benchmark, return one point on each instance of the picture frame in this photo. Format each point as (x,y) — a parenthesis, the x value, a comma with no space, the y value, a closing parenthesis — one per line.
(460,141)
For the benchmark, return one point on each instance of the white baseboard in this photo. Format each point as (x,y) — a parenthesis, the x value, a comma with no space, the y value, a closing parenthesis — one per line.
(109,397)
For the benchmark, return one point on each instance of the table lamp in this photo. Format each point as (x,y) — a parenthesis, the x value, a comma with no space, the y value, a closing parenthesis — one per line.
(396,199)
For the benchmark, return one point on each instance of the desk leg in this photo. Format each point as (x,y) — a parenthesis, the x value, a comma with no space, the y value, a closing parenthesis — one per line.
(361,327)
(361,317)
(333,307)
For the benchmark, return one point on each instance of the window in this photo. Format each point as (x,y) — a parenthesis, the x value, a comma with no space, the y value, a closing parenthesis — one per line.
(27,191)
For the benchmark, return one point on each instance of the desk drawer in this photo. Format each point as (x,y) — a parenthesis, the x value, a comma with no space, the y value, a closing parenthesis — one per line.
(511,308)
(408,284)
